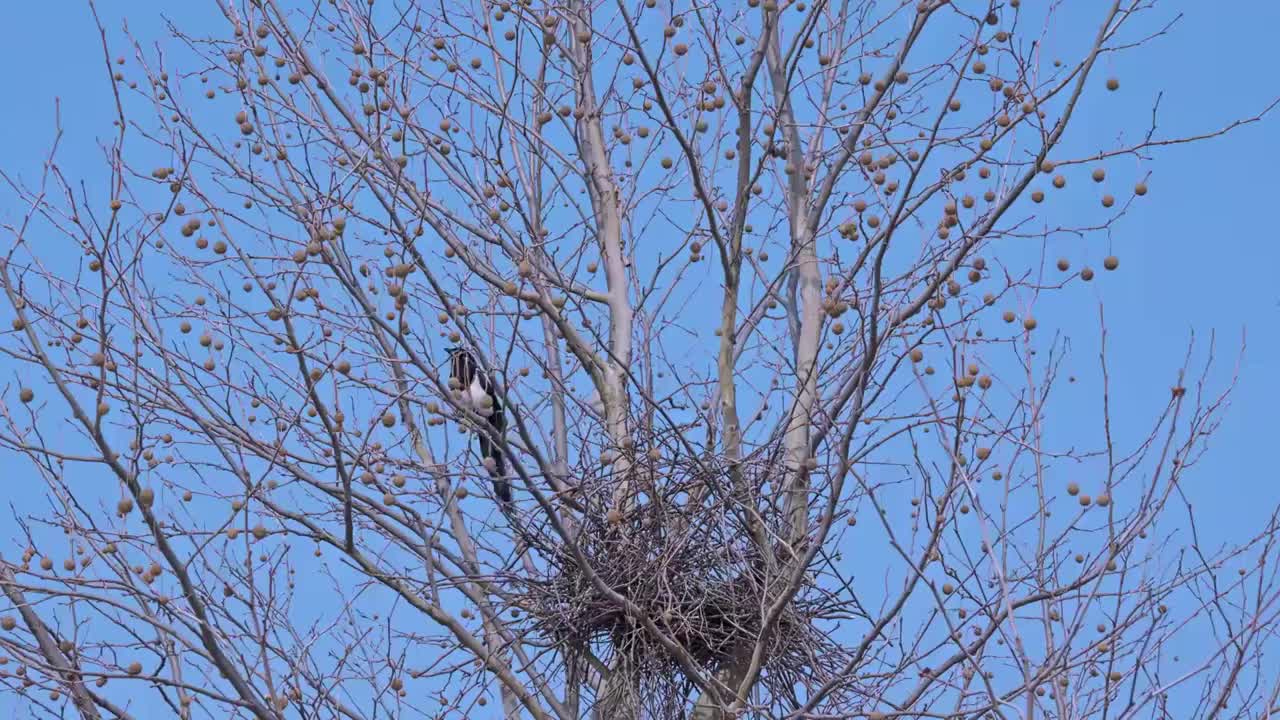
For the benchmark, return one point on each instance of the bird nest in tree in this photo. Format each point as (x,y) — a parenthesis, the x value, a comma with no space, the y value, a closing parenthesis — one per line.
(682,559)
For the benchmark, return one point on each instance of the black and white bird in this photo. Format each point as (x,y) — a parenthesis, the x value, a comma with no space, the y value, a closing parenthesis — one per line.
(478,391)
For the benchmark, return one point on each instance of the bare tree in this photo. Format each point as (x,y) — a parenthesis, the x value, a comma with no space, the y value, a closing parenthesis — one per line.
(746,278)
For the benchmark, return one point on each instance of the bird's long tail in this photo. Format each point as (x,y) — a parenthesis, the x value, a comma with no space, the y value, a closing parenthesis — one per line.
(501,486)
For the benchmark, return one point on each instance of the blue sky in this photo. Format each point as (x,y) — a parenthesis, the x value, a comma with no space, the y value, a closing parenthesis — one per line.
(1199,253)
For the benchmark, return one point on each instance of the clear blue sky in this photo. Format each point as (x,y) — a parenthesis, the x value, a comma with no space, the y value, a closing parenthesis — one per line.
(1199,253)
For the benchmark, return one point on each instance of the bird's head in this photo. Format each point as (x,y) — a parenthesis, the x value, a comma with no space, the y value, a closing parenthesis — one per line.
(460,361)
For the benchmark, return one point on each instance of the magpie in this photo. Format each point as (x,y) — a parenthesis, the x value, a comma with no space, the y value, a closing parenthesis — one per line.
(478,391)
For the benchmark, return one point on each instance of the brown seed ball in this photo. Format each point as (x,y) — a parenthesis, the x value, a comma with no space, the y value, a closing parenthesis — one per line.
(1103,500)
(1059,181)
(26,395)
(8,622)
(1073,489)
(1029,323)
(1037,196)
(146,497)
(388,420)
(1009,316)
(1086,274)
(983,453)
(916,355)
(1111,262)
(1099,175)
(1063,265)
(1108,201)
(1113,84)
(1140,189)
(134,668)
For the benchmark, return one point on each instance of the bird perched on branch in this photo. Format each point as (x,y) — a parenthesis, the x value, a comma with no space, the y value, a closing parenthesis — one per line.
(478,391)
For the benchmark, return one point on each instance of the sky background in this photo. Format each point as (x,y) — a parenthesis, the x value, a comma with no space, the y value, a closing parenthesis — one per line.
(1198,254)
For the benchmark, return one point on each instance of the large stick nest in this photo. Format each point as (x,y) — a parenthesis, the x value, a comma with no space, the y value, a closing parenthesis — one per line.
(684,557)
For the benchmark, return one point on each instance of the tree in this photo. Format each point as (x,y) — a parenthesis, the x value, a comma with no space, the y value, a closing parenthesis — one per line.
(746,277)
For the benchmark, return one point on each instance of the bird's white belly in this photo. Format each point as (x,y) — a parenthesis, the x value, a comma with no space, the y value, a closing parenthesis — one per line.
(478,396)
